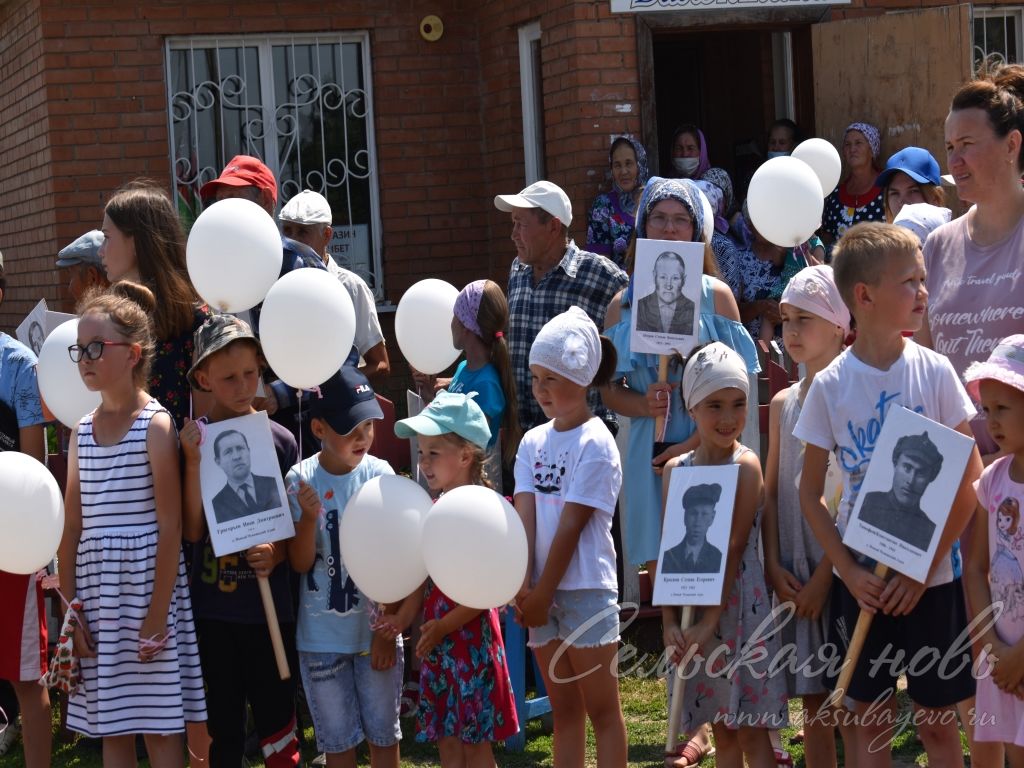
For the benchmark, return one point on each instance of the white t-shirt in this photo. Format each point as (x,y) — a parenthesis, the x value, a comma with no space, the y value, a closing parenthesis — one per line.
(580,465)
(368,333)
(847,405)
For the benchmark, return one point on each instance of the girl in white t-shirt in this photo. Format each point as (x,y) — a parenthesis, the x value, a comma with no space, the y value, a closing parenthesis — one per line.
(567,480)
(741,699)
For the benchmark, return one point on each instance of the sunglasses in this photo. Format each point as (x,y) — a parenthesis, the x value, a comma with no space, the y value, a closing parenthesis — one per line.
(93,350)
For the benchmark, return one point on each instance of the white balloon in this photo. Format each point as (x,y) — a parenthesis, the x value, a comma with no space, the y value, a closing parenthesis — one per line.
(60,384)
(475,548)
(785,201)
(380,537)
(824,161)
(31,515)
(233,254)
(423,325)
(307,324)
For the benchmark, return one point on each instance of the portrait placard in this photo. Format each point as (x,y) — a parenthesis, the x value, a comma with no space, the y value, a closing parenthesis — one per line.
(666,296)
(32,331)
(695,535)
(243,494)
(54,319)
(915,471)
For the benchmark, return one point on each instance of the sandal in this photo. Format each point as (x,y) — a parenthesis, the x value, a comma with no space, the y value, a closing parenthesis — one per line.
(783,759)
(798,737)
(691,752)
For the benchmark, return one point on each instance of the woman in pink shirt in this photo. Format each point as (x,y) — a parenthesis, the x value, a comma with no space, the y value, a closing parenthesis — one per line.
(975,263)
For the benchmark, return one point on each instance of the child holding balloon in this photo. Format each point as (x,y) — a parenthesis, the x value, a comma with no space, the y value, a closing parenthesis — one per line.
(351,666)
(234,640)
(23,641)
(742,706)
(121,552)
(815,323)
(567,481)
(478,328)
(466,699)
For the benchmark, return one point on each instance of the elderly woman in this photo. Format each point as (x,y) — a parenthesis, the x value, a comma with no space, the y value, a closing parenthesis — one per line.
(857,198)
(911,176)
(612,216)
(689,152)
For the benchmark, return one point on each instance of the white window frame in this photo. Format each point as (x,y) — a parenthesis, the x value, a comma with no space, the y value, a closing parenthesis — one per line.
(264,45)
(532,151)
(1000,11)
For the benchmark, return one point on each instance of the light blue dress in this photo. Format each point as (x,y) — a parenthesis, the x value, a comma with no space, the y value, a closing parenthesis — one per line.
(642,513)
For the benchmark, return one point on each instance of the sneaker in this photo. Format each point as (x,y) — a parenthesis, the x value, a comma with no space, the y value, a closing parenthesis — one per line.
(320,759)
(8,737)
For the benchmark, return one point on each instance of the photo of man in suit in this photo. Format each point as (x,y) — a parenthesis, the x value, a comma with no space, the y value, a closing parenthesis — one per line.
(666,310)
(694,554)
(916,462)
(245,493)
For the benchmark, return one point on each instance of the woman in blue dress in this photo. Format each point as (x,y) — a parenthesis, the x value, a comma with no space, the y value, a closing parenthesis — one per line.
(669,209)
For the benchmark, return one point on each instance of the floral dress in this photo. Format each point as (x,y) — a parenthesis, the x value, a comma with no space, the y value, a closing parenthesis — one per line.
(465,689)
(740,691)
(168,381)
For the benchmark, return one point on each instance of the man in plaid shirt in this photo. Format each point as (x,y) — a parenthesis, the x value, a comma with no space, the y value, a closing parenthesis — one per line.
(549,275)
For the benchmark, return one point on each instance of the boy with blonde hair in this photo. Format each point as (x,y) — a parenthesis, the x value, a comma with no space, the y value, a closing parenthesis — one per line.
(880,273)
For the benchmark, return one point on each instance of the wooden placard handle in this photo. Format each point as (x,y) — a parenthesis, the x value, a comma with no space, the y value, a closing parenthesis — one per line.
(678,689)
(860,634)
(659,422)
(274,627)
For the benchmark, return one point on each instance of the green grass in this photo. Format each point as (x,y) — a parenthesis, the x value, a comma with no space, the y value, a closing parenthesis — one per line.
(643,703)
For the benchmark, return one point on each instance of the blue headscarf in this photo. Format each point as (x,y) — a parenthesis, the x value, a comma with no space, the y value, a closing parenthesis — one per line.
(642,172)
(683,191)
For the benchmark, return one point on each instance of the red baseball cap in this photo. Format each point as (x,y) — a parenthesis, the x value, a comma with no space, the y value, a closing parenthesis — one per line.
(242,171)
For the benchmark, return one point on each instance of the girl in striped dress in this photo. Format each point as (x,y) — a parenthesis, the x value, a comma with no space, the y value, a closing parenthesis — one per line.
(121,552)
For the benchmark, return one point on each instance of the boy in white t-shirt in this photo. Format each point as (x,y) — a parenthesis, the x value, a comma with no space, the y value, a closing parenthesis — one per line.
(880,273)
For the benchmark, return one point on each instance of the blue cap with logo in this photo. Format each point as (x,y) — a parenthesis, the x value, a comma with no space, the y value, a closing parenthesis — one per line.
(916,162)
(345,401)
(449,412)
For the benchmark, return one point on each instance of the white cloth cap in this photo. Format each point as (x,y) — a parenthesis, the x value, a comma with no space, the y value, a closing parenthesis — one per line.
(922,219)
(307,207)
(712,368)
(541,194)
(569,345)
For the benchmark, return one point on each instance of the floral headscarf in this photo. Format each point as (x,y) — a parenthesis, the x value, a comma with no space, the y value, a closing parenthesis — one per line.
(720,178)
(681,190)
(870,133)
(642,171)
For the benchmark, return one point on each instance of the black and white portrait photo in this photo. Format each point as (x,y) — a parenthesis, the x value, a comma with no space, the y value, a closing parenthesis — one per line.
(695,554)
(244,496)
(695,535)
(666,296)
(32,330)
(902,506)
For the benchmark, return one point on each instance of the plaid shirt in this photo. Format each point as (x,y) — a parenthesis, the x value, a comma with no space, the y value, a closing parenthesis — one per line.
(585,279)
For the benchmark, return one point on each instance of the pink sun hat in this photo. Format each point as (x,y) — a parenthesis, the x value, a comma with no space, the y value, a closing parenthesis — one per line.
(1005,364)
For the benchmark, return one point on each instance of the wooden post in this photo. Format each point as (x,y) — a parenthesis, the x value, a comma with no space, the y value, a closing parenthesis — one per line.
(659,422)
(274,627)
(860,634)
(678,689)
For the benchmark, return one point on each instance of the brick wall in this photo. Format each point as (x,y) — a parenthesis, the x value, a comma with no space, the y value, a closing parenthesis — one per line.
(27,207)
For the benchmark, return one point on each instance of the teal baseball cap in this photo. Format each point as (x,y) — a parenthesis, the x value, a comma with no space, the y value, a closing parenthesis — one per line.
(449,412)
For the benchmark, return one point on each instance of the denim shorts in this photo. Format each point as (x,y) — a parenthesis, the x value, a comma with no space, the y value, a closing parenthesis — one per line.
(583,618)
(349,701)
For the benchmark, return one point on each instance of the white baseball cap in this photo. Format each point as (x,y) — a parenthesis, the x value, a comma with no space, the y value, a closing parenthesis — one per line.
(541,194)
(307,207)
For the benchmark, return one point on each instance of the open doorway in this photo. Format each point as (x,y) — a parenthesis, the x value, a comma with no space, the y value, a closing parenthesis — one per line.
(732,83)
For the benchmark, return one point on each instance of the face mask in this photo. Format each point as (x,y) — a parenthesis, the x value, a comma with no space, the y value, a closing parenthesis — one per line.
(686,165)
(777,154)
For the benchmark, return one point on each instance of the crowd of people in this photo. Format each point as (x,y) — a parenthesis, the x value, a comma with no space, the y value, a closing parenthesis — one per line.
(894,304)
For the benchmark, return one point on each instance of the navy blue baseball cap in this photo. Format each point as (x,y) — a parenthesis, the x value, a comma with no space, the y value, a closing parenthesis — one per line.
(345,401)
(916,162)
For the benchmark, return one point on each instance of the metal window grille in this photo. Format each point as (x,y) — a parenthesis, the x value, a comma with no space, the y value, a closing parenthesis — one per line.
(303,105)
(997,35)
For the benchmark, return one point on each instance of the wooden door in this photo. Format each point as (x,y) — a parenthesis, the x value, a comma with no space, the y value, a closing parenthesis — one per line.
(898,71)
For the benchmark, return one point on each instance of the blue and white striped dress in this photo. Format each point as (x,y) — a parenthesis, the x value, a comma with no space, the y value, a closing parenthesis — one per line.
(115,568)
